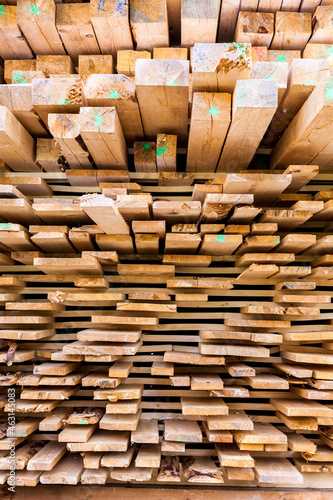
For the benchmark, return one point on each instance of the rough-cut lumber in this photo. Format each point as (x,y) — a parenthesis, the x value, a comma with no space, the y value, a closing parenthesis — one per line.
(101,132)
(254,27)
(37,21)
(126,60)
(199,22)
(149,23)
(18,98)
(75,29)
(292,30)
(166,153)
(89,65)
(217,67)
(303,76)
(13,44)
(162,87)
(110,21)
(65,129)
(322,28)
(17,147)
(57,95)
(210,121)
(254,102)
(118,91)
(277,470)
(302,141)
(104,212)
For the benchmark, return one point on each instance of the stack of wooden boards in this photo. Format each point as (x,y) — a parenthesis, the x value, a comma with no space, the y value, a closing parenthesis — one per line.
(168,340)
(166,242)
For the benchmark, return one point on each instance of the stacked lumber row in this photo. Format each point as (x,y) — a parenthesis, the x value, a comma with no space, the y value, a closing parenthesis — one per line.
(169,340)
(167,318)
(66,123)
(46,27)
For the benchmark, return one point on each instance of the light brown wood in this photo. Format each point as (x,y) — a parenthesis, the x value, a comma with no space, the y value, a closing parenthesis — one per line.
(162,89)
(254,101)
(210,119)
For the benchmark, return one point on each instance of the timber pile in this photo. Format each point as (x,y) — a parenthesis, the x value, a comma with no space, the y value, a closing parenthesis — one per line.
(166,242)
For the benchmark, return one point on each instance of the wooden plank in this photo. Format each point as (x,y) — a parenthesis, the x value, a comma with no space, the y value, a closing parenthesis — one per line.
(37,23)
(89,65)
(292,30)
(255,27)
(321,31)
(57,95)
(230,456)
(149,455)
(254,101)
(210,121)
(201,470)
(166,153)
(217,67)
(68,471)
(17,147)
(199,24)
(111,25)
(118,91)
(126,60)
(278,470)
(303,76)
(162,89)
(169,470)
(102,133)
(291,144)
(76,30)
(104,212)
(149,24)
(47,457)
(13,44)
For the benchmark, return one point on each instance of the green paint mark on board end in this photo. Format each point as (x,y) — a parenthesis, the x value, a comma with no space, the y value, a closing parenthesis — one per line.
(241,47)
(329,51)
(114,94)
(220,238)
(2,10)
(171,83)
(33,9)
(146,146)
(160,151)
(310,83)
(19,78)
(64,101)
(281,58)
(328,90)
(98,120)
(214,111)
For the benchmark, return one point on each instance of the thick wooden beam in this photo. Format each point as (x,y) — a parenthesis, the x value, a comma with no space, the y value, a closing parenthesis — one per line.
(102,134)
(76,30)
(163,87)
(217,67)
(37,21)
(210,120)
(149,23)
(254,102)
(110,20)
(199,22)
(303,140)
(65,129)
(118,91)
